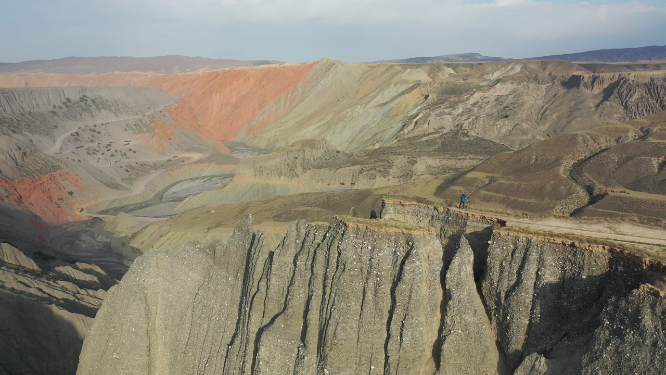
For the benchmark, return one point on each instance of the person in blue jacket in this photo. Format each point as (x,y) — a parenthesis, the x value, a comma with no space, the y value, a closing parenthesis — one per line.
(463,199)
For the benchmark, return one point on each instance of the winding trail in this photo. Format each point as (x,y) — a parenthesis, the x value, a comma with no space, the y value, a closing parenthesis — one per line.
(57,147)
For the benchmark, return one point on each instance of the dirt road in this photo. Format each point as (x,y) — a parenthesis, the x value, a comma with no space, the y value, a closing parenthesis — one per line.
(57,147)
(622,231)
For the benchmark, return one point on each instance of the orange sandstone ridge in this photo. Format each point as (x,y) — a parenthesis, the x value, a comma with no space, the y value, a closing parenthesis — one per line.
(48,195)
(215,105)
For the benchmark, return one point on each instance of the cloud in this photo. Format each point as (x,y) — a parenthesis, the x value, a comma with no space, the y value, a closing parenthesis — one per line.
(523,19)
(297,30)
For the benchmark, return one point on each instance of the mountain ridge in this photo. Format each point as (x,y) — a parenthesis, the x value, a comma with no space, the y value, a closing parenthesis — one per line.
(612,55)
(108,64)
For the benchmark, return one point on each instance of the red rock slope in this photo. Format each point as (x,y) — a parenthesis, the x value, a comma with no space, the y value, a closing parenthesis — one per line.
(222,101)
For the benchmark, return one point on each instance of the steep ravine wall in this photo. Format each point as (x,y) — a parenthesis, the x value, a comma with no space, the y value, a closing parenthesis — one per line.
(639,94)
(348,298)
(423,290)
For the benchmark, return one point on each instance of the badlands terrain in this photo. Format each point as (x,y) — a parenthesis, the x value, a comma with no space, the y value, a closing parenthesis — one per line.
(300,218)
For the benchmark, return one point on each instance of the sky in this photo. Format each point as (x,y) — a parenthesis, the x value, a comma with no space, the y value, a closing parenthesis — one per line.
(347,30)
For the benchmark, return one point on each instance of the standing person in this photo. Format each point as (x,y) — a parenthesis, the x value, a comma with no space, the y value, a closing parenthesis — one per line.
(463,199)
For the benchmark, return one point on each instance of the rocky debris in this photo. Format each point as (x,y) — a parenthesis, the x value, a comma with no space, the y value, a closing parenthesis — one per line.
(366,295)
(468,343)
(631,338)
(10,254)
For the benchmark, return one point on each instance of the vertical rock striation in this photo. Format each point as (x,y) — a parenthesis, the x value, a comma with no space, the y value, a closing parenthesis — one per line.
(468,343)
(630,339)
(424,290)
(356,297)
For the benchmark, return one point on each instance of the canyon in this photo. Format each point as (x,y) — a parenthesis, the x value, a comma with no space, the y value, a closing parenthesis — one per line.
(299,218)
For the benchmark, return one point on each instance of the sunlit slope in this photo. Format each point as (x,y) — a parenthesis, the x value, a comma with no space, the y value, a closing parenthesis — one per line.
(311,166)
(356,106)
(216,103)
(611,171)
(64,148)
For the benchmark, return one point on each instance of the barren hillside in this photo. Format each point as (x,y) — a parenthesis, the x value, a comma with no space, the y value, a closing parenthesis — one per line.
(100,65)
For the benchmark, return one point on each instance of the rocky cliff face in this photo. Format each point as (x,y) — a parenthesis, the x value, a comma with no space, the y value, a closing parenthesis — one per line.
(638,94)
(359,296)
(383,296)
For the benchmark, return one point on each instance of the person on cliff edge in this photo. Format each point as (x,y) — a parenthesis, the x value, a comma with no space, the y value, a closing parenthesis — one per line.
(463,199)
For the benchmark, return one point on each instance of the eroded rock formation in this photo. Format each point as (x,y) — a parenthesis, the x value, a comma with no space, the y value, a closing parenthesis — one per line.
(364,296)
(44,317)
(355,297)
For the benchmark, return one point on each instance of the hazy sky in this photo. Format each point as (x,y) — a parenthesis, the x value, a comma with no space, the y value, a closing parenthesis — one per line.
(299,30)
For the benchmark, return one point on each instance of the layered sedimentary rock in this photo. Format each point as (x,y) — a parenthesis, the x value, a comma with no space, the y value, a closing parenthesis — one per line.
(640,94)
(468,343)
(44,319)
(359,296)
(356,106)
(10,254)
(365,296)
(630,339)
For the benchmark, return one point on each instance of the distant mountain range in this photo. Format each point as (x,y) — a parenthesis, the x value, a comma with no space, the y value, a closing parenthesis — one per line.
(629,55)
(183,64)
(100,65)
(640,54)
(459,57)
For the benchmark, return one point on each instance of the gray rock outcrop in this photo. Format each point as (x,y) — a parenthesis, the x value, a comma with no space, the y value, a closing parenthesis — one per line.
(424,290)
(10,254)
(77,277)
(630,339)
(546,297)
(534,364)
(358,296)
(468,343)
